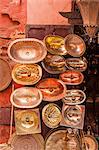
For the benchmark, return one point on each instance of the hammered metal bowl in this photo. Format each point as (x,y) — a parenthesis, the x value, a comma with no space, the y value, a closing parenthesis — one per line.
(5,74)
(27,51)
(26,74)
(74,45)
(55,44)
(26,97)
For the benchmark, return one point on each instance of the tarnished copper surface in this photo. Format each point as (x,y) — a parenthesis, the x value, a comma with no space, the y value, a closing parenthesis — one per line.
(52,89)
(72,77)
(55,44)
(76,64)
(27,74)
(27,51)
(54,64)
(61,140)
(74,45)
(74,97)
(26,97)
(51,115)
(27,121)
(5,74)
(27,142)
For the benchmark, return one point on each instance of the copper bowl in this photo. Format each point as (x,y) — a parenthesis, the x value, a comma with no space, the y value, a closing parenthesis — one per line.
(74,97)
(27,74)
(55,44)
(54,64)
(5,74)
(27,51)
(26,97)
(52,89)
(76,64)
(72,77)
(74,45)
(51,115)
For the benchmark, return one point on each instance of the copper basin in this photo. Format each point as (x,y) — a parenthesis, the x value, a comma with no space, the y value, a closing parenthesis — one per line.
(27,51)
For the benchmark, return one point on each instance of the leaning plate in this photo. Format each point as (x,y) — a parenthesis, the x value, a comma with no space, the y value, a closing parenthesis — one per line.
(27,74)
(74,97)
(55,44)
(27,142)
(27,51)
(51,115)
(26,97)
(74,45)
(52,89)
(54,64)
(72,77)
(5,74)
(76,64)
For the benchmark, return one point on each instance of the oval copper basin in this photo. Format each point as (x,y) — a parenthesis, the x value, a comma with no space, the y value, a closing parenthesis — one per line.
(27,51)
(5,74)
(76,64)
(72,77)
(52,89)
(74,45)
(54,64)
(27,74)
(55,44)
(26,97)
(74,97)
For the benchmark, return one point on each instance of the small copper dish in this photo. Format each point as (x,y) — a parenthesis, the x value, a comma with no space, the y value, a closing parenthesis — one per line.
(27,74)
(74,45)
(76,64)
(74,97)
(55,44)
(72,77)
(27,121)
(26,142)
(51,115)
(27,51)
(5,74)
(52,89)
(26,97)
(54,64)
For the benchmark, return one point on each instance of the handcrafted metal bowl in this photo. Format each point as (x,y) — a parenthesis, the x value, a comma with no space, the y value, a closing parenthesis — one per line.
(55,44)
(76,64)
(52,89)
(27,142)
(27,74)
(74,45)
(27,51)
(72,77)
(5,74)
(51,115)
(54,64)
(61,140)
(74,97)
(26,97)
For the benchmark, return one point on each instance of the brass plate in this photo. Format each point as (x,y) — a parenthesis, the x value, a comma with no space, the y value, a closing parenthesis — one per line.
(76,64)
(72,77)
(54,64)
(74,45)
(27,51)
(5,74)
(27,121)
(27,142)
(51,115)
(55,44)
(26,97)
(52,89)
(27,74)
(74,97)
